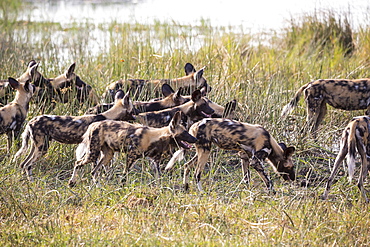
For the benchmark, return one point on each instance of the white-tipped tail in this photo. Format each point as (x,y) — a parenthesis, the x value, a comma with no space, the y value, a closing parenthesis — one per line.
(351,166)
(81,151)
(177,156)
(288,108)
(25,138)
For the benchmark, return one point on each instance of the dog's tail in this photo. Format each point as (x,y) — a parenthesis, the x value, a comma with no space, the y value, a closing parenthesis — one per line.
(82,148)
(177,156)
(26,135)
(352,140)
(293,103)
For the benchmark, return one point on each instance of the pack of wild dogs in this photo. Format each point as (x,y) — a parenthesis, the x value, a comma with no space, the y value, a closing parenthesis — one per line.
(179,118)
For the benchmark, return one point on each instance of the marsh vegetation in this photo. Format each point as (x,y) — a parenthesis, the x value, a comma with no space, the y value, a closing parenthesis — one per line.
(261,71)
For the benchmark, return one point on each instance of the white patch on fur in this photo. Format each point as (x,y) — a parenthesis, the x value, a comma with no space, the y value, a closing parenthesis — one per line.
(247,148)
(79,121)
(167,118)
(267,150)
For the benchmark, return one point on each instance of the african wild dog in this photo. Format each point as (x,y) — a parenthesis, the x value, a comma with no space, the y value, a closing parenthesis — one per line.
(339,93)
(252,141)
(193,110)
(192,81)
(355,135)
(70,86)
(66,129)
(171,99)
(30,75)
(13,114)
(135,140)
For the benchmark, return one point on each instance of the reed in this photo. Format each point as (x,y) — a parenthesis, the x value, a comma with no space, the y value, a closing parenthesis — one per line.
(260,70)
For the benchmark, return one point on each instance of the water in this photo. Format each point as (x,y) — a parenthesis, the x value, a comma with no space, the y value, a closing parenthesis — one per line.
(253,15)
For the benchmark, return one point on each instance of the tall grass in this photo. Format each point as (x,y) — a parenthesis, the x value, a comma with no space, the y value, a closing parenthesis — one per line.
(262,71)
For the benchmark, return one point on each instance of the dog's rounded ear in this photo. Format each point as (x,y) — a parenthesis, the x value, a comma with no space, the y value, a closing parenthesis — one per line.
(199,74)
(189,69)
(282,145)
(167,90)
(126,99)
(288,152)
(175,121)
(119,95)
(196,95)
(178,93)
(33,71)
(13,82)
(31,63)
(70,70)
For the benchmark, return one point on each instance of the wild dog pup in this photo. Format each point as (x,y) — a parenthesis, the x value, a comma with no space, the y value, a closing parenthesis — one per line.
(193,110)
(13,114)
(104,138)
(66,129)
(171,99)
(355,135)
(339,93)
(70,86)
(193,80)
(253,142)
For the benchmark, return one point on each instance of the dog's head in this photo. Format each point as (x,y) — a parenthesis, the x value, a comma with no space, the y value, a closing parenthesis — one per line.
(200,81)
(25,90)
(172,98)
(178,132)
(123,106)
(286,165)
(201,106)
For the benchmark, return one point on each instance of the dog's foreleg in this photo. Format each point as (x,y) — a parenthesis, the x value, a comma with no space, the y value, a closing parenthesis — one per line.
(362,150)
(257,164)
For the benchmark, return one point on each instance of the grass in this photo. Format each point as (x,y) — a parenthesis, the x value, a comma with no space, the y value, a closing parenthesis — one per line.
(262,71)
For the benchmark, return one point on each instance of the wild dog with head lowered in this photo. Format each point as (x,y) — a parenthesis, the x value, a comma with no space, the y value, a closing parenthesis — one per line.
(13,114)
(252,141)
(104,138)
(355,136)
(342,94)
(66,129)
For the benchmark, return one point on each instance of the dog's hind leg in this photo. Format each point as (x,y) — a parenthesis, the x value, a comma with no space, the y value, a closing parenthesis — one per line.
(203,155)
(32,157)
(106,156)
(338,160)
(362,150)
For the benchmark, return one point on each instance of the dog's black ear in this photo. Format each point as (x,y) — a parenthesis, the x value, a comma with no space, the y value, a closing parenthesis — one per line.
(13,82)
(70,70)
(288,152)
(175,121)
(178,93)
(33,70)
(126,99)
(198,75)
(119,95)
(196,95)
(167,90)
(189,68)
(31,63)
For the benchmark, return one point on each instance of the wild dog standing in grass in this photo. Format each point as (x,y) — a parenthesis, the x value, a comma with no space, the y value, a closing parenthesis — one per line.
(104,138)
(252,141)
(171,99)
(339,93)
(70,86)
(13,114)
(355,135)
(192,81)
(193,110)
(66,129)
(30,75)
